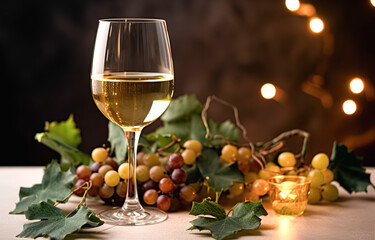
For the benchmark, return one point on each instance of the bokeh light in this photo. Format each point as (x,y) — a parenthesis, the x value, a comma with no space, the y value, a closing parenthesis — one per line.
(356,85)
(316,25)
(349,107)
(292,5)
(372,2)
(268,91)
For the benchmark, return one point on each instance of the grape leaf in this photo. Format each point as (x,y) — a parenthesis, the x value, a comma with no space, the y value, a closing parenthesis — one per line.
(54,223)
(348,171)
(182,108)
(116,137)
(65,131)
(245,215)
(219,177)
(55,186)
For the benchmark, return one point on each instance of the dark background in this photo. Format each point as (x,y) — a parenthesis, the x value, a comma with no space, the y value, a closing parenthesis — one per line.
(226,48)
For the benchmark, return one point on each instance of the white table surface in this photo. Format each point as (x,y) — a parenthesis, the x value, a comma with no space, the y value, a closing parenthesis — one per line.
(350,217)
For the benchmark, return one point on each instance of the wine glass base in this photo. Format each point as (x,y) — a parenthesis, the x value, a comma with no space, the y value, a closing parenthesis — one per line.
(145,216)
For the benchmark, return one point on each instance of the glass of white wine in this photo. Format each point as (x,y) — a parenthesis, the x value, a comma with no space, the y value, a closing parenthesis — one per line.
(132,83)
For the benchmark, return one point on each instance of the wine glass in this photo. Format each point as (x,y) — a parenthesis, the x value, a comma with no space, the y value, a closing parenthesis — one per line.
(132,83)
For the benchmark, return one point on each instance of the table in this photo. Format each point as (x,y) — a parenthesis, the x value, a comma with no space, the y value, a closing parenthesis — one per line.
(351,217)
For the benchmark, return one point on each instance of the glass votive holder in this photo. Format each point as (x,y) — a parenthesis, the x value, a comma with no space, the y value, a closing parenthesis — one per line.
(288,194)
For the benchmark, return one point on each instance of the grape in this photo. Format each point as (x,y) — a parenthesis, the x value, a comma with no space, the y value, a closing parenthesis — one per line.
(320,161)
(117,200)
(163,203)
(260,187)
(106,191)
(243,154)
(273,168)
(229,153)
(93,192)
(179,176)
(287,159)
(314,195)
(250,177)
(112,178)
(189,156)
(99,154)
(302,172)
(142,173)
(330,192)
(236,189)
(123,171)
(95,167)
(193,145)
(104,169)
(251,196)
(263,174)
(83,172)
(244,167)
(254,165)
(166,185)
(78,184)
(328,175)
(317,178)
(149,185)
(156,173)
(150,159)
(292,173)
(97,180)
(187,193)
(176,161)
(150,196)
(111,162)
(140,156)
(121,189)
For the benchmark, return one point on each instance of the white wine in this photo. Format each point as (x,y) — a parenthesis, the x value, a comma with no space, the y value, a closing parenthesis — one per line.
(132,100)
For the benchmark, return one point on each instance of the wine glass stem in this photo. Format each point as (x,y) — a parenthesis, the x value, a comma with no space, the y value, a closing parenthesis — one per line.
(132,203)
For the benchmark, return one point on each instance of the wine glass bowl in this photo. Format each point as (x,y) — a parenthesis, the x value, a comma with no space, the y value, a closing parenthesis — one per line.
(132,83)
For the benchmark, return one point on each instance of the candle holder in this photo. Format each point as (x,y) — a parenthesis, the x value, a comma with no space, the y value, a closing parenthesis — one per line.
(288,194)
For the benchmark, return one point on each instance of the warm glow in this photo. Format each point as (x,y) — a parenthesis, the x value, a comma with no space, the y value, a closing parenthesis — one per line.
(349,107)
(316,25)
(357,85)
(292,5)
(372,2)
(268,91)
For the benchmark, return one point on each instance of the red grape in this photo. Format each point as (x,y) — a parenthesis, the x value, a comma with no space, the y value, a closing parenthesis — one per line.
(166,185)
(188,193)
(179,176)
(97,180)
(106,191)
(150,196)
(163,203)
(83,172)
(176,161)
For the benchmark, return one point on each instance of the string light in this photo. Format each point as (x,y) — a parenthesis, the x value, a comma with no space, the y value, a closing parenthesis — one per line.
(349,107)
(356,85)
(268,91)
(316,25)
(293,5)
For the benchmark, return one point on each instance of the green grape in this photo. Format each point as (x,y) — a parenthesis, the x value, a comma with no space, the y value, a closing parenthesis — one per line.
(316,177)
(189,156)
(263,174)
(328,175)
(250,177)
(292,173)
(243,154)
(236,189)
(260,187)
(187,193)
(251,196)
(150,159)
(112,178)
(314,195)
(142,173)
(97,180)
(320,161)
(287,159)
(99,154)
(150,196)
(156,173)
(273,168)
(193,145)
(104,169)
(330,192)
(123,171)
(229,153)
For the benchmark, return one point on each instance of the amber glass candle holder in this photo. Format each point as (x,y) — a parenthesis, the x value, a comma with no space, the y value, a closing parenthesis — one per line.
(288,194)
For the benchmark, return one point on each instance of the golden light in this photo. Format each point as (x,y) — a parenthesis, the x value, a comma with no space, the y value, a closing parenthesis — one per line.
(292,5)
(316,25)
(268,91)
(356,85)
(349,107)
(372,2)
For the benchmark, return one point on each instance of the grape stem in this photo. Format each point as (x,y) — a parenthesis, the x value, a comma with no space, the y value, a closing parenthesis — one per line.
(171,144)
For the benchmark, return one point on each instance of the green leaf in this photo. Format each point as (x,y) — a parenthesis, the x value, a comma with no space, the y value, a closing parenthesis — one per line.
(54,223)
(116,137)
(65,131)
(245,215)
(70,156)
(219,177)
(182,108)
(348,170)
(55,186)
